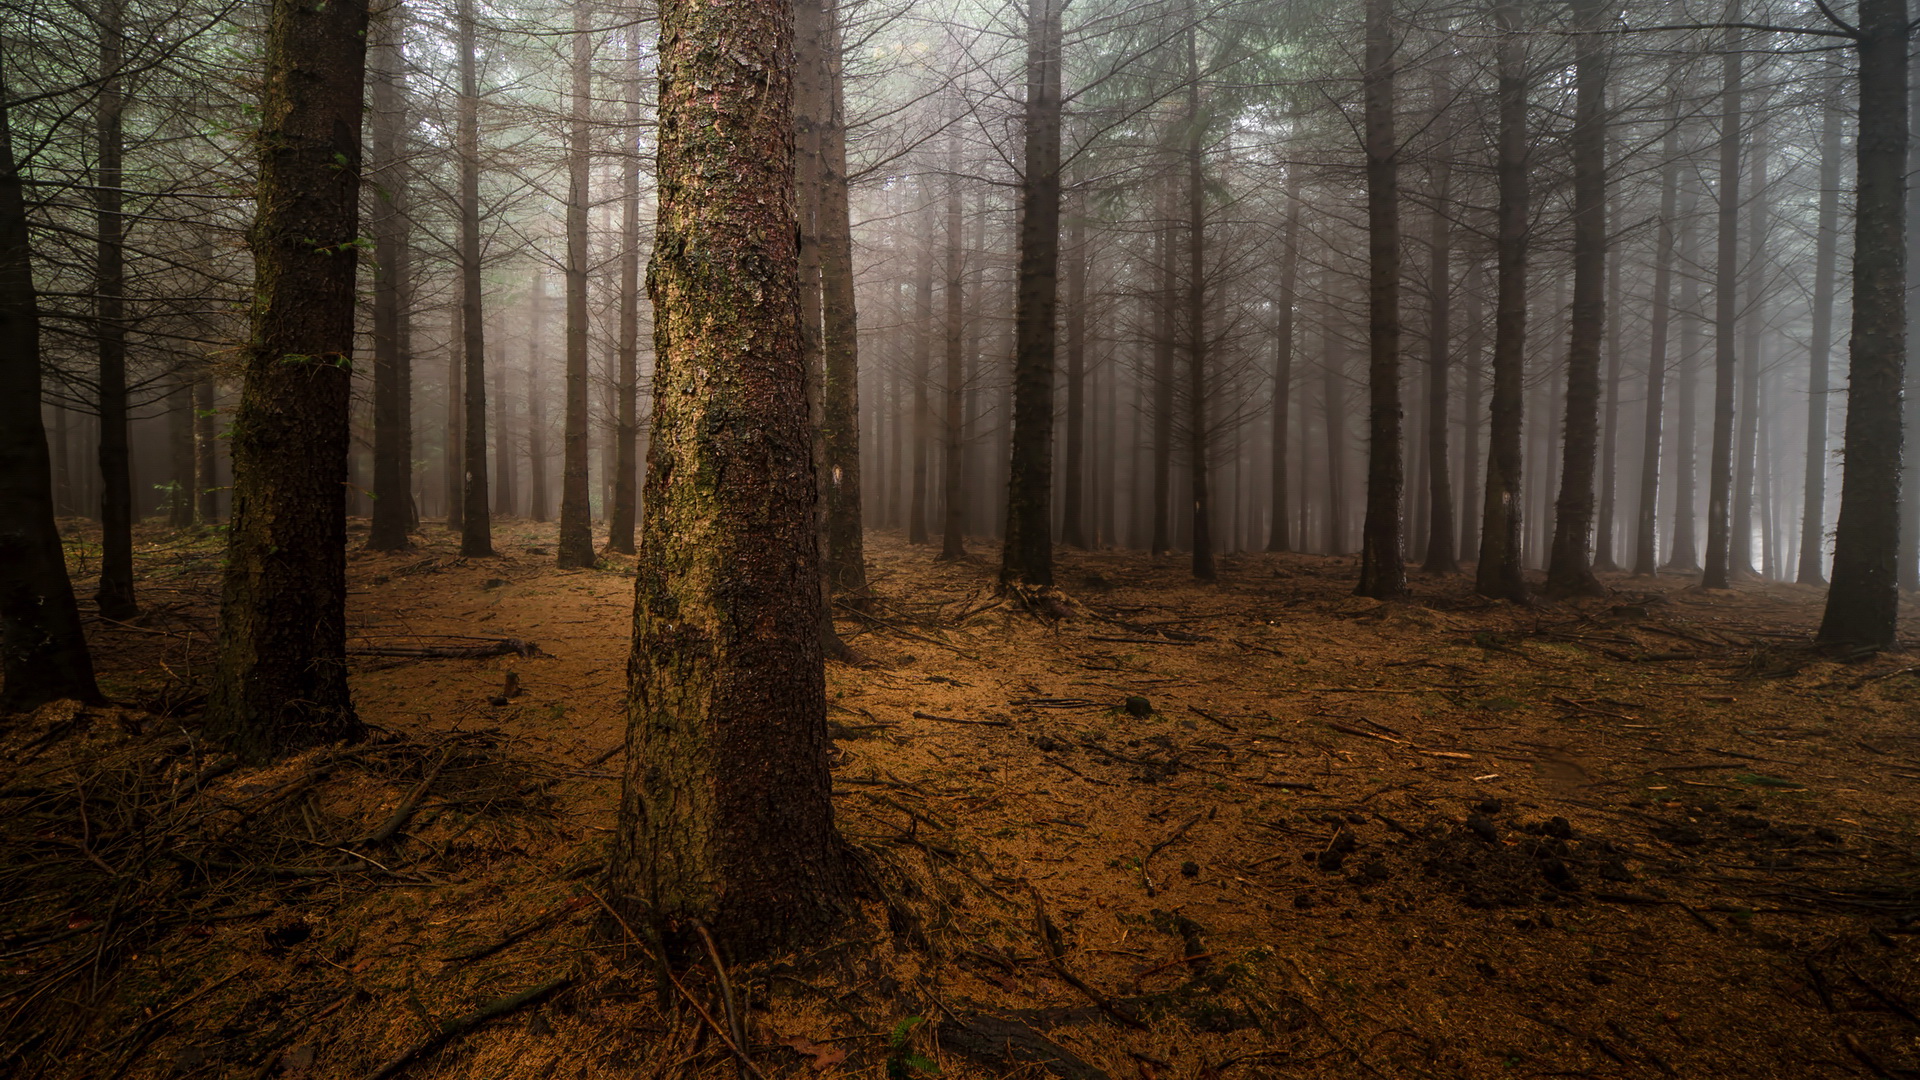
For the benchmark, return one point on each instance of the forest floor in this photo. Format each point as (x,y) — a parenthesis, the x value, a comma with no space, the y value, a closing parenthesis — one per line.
(1256,828)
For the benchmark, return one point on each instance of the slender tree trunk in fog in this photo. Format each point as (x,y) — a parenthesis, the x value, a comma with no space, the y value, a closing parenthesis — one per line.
(626,431)
(504,497)
(1747,468)
(575,547)
(280,681)
(1333,413)
(1383,571)
(920,433)
(1199,444)
(1073,503)
(1280,533)
(206,449)
(1499,572)
(1864,601)
(1646,545)
(1028,554)
(1474,286)
(1440,555)
(845,555)
(392,452)
(1163,383)
(1570,569)
(180,449)
(115,593)
(1813,532)
(455,451)
(953,374)
(726,814)
(476,535)
(1610,428)
(537,504)
(43,650)
(1685,555)
(1719,569)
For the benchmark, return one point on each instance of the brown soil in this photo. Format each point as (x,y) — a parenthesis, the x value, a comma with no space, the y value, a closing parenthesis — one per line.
(1260,828)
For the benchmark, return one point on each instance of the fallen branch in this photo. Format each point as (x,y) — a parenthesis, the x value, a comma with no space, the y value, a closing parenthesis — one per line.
(957,720)
(453,1029)
(495,647)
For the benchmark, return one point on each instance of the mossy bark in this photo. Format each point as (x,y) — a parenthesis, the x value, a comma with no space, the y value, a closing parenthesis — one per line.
(280,680)
(726,819)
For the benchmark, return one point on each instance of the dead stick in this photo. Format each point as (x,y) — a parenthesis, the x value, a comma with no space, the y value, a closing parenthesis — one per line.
(957,720)
(453,1029)
(1044,926)
(408,805)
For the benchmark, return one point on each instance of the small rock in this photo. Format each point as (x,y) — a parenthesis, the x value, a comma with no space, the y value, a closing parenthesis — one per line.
(1189,869)
(493,583)
(497,702)
(1139,707)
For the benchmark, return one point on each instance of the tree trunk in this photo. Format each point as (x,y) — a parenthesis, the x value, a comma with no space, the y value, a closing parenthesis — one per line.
(504,497)
(1333,410)
(115,592)
(1383,571)
(1280,533)
(454,452)
(1718,572)
(726,816)
(1199,442)
(1747,415)
(180,449)
(1474,286)
(953,534)
(846,552)
(920,431)
(626,467)
(1570,571)
(1499,572)
(1910,476)
(538,508)
(1813,533)
(1603,543)
(1684,558)
(476,535)
(1440,555)
(1864,600)
(281,678)
(1073,496)
(392,454)
(1646,544)
(1163,384)
(1027,557)
(43,651)
(575,546)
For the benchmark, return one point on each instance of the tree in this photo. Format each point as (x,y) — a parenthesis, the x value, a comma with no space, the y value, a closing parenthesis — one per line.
(43,651)
(1570,573)
(392,368)
(1813,538)
(476,533)
(1646,553)
(1279,537)
(953,543)
(726,820)
(280,680)
(1383,571)
(626,467)
(1027,557)
(840,344)
(1719,570)
(1499,571)
(1441,557)
(115,594)
(575,548)
(1863,603)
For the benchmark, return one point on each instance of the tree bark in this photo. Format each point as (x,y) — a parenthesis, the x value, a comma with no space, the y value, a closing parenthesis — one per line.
(1441,557)
(1474,286)
(1383,571)
(1747,468)
(280,681)
(1570,571)
(476,535)
(920,432)
(1027,557)
(392,450)
(846,550)
(1684,558)
(1499,572)
(1863,603)
(953,533)
(1073,493)
(1813,533)
(454,453)
(1163,382)
(575,546)
(43,651)
(1603,543)
(1199,441)
(115,593)
(505,500)
(726,816)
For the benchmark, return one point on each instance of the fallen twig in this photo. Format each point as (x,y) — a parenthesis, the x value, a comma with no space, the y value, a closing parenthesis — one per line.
(453,1029)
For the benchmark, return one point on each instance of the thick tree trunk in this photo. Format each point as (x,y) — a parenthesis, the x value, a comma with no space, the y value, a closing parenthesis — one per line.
(115,592)
(43,651)
(620,518)
(1813,532)
(476,535)
(1864,600)
(953,373)
(1726,310)
(1027,557)
(726,816)
(1499,572)
(1646,545)
(392,452)
(846,551)
(1280,531)
(281,678)
(1570,569)
(1073,494)
(1440,555)
(1383,571)
(575,546)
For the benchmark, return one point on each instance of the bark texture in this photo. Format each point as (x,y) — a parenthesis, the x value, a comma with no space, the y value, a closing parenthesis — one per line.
(1383,570)
(575,547)
(1499,572)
